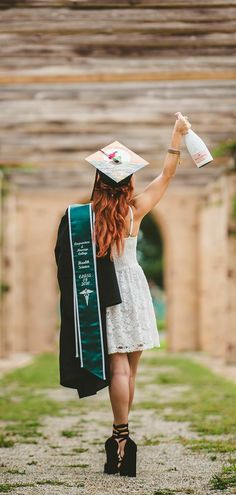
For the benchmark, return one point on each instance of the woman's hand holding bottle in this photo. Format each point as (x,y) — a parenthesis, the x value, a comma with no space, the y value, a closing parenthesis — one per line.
(182,125)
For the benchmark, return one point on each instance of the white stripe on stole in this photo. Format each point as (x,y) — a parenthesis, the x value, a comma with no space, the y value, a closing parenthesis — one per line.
(92,223)
(75,299)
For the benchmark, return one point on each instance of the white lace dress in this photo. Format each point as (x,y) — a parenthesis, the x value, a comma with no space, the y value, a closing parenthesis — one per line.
(131,325)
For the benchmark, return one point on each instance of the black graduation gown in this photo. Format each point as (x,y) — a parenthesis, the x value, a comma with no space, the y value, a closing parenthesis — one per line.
(72,375)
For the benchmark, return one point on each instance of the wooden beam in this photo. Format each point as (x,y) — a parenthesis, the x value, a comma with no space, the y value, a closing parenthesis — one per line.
(112,4)
(13,78)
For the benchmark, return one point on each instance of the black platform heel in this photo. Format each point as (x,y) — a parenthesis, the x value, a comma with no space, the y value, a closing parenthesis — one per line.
(112,448)
(127,462)
(111,465)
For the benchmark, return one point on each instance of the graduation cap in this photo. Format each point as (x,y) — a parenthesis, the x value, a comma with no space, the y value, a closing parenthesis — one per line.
(116,163)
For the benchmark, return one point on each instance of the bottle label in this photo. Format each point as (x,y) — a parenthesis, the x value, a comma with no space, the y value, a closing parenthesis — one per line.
(200,156)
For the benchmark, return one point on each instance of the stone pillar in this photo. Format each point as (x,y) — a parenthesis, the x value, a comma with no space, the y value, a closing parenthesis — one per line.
(31,306)
(178,211)
(230,330)
(2,349)
(11,310)
(213,269)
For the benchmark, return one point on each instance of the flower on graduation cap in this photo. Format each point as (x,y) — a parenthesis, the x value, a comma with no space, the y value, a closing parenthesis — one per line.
(116,161)
(114,158)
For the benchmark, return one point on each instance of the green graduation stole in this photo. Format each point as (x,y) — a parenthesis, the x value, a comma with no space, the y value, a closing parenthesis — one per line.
(87,318)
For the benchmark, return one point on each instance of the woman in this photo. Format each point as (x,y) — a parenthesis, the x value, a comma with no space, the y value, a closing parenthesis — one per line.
(131,325)
(107,316)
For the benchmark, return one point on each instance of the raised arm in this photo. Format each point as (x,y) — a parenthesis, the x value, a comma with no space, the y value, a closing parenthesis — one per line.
(146,200)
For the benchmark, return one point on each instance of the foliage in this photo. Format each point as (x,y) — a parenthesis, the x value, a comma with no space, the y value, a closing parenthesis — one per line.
(150,250)
(4,288)
(227,148)
(234,207)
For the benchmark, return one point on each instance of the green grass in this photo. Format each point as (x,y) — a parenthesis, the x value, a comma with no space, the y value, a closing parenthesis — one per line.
(208,403)
(69,433)
(216,446)
(226,479)
(22,412)
(79,450)
(5,442)
(167,491)
(15,471)
(41,373)
(169,378)
(24,402)
(151,441)
(53,483)
(164,491)
(8,487)
(26,406)
(77,465)
(162,344)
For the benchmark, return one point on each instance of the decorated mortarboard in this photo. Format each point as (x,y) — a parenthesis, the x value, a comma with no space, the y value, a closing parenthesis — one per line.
(116,161)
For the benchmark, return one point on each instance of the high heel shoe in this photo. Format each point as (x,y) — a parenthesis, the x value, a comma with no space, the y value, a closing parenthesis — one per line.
(127,462)
(111,465)
(112,448)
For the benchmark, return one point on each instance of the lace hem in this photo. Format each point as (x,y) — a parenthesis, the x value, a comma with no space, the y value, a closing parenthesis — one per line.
(136,347)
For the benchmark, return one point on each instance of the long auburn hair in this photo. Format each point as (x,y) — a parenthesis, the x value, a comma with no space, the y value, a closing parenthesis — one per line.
(111,206)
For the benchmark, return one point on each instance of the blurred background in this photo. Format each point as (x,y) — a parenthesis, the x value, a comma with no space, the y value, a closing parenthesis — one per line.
(77,75)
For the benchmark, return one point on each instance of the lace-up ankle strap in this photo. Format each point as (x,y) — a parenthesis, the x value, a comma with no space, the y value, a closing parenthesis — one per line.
(121,431)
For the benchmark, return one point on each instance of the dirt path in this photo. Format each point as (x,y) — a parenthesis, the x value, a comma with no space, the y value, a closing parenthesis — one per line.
(68,459)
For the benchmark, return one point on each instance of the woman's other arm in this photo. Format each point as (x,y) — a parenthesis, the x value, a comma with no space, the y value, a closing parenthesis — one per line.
(146,200)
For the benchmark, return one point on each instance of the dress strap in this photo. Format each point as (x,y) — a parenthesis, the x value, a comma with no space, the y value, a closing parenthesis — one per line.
(131,220)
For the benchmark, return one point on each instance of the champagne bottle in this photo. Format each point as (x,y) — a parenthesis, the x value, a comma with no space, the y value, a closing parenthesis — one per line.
(196,147)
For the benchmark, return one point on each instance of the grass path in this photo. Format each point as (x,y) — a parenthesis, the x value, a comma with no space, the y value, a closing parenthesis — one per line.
(183,420)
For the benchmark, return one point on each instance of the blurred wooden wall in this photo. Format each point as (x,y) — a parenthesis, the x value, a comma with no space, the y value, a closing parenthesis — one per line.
(75,75)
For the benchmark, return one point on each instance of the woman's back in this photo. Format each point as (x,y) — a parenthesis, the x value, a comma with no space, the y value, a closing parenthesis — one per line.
(131,325)
(128,257)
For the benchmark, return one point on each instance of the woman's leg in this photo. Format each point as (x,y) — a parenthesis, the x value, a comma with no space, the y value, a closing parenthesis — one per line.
(123,369)
(133,358)
(119,386)
(119,390)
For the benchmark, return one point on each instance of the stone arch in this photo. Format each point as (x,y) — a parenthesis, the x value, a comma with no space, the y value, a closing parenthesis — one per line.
(195,264)
(176,221)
